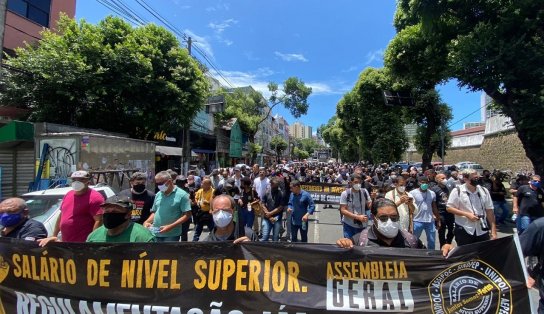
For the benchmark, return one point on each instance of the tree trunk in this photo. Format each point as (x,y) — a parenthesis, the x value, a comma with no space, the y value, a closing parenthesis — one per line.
(428,147)
(528,125)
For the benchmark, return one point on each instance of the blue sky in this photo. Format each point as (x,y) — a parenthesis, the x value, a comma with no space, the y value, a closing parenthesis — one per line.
(324,43)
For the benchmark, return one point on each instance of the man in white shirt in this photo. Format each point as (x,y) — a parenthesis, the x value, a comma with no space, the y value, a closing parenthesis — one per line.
(473,209)
(261,184)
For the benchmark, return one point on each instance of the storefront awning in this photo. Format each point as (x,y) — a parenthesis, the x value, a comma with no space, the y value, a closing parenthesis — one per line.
(169,151)
(203,151)
(16,132)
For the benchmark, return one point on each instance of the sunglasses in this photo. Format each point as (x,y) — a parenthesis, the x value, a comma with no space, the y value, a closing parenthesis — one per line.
(384,218)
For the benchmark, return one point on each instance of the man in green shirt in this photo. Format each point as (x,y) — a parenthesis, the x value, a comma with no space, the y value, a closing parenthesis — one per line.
(118,227)
(171,209)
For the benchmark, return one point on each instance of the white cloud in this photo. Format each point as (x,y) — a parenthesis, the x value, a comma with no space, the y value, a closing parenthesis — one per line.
(351,69)
(260,78)
(201,42)
(249,55)
(220,27)
(218,7)
(373,56)
(291,56)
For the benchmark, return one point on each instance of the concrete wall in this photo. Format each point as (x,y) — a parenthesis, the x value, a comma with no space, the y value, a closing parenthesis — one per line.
(501,150)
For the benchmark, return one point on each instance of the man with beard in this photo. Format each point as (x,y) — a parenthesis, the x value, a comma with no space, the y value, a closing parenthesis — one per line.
(139,196)
(405,204)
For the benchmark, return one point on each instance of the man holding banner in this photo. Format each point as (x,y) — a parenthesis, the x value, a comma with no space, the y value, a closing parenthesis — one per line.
(353,202)
(118,227)
(385,231)
(225,228)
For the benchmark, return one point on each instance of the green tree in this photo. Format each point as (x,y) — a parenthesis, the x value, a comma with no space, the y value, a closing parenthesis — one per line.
(108,76)
(489,45)
(431,117)
(300,153)
(307,144)
(377,129)
(279,144)
(245,104)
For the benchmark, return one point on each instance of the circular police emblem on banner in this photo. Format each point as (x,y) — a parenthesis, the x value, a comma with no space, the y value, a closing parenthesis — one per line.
(470,287)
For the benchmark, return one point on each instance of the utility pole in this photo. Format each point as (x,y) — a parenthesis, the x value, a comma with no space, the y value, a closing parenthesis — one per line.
(3,10)
(186,146)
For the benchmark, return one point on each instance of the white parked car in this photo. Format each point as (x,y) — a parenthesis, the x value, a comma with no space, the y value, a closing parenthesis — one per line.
(44,205)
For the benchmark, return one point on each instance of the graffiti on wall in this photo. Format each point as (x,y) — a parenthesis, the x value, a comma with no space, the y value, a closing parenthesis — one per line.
(62,156)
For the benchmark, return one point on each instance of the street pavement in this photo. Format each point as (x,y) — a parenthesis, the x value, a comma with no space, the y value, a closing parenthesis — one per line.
(325,227)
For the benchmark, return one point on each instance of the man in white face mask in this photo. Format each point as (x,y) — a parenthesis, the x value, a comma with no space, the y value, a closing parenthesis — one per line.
(353,203)
(385,230)
(225,228)
(80,211)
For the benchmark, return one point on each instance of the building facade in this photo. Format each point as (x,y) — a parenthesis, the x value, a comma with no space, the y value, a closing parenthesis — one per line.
(299,130)
(25,19)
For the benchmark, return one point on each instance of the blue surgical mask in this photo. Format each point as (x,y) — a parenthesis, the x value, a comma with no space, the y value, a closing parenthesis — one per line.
(9,220)
(536,184)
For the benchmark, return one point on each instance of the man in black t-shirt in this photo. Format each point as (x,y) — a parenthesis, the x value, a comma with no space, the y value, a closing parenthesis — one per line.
(498,196)
(15,222)
(140,197)
(529,203)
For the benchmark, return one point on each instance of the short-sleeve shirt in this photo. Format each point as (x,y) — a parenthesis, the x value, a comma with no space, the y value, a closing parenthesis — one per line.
(77,214)
(477,203)
(424,204)
(261,186)
(169,208)
(142,203)
(530,201)
(356,203)
(133,233)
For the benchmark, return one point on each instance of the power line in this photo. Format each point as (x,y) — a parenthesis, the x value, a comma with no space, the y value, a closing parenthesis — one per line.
(113,8)
(463,118)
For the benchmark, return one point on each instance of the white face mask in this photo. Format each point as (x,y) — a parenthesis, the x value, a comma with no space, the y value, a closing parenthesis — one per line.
(163,187)
(388,229)
(222,218)
(401,188)
(78,186)
(445,182)
(357,187)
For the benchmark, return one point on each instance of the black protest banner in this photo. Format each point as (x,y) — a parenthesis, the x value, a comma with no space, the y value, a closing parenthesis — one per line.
(324,193)
(258,278)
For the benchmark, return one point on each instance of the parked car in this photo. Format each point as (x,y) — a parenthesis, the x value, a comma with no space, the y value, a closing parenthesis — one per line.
(44,205)
(474,166)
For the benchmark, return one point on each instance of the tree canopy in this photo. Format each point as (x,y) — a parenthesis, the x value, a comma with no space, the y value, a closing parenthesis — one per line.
(493,46)
(109,76)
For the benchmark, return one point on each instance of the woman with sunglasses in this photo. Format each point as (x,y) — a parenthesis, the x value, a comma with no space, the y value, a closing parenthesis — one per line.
(385,230)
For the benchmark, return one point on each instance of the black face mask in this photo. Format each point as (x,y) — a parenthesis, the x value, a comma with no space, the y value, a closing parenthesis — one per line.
(113,220)
(474,182)
(138,188)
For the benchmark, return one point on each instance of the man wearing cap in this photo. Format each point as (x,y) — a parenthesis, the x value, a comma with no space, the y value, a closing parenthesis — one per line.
(118,226)
(140,197)
(16,223)
(170,210)
(80,211)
